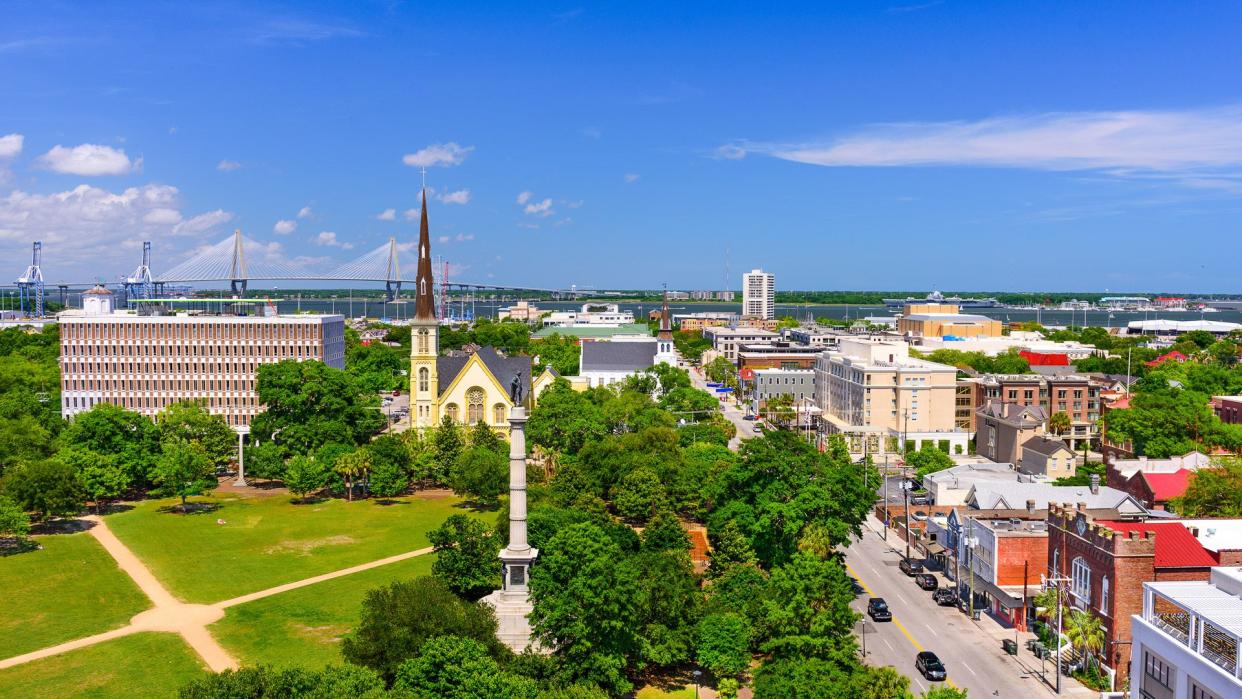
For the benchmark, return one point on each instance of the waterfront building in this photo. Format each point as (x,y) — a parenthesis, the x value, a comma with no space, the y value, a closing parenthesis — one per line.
(145,363)
(759,294)
(591,314)
(945,320)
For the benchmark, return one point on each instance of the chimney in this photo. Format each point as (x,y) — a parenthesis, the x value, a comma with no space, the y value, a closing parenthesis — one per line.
(1030,507)
(1095,484)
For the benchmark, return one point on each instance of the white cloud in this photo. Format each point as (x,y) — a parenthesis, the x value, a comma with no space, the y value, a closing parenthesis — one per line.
(524,197)
(202,222)
(228,165)
(631,178)
(411,214)
(539,208)
(463,237)
(89,231)
(1123,143)
(730,151)
(328,239)
(305,212)
(284,227)
(443,239)
(461,196)
(387,215)
(166,217)
(10,145)
(437,154)
(88,159)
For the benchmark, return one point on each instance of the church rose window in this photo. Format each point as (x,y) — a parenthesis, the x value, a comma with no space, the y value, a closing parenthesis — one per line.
(474,405)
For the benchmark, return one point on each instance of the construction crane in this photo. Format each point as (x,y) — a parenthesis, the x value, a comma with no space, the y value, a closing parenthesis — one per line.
(30,284)
(140,285)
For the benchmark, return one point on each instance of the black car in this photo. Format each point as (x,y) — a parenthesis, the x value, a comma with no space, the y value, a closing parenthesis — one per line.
(930,666)
(945,596)
(919,498)
(927,581)
(877,609)
(910,567)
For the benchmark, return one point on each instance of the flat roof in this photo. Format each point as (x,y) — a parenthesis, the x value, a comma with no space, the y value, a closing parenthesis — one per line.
(1219,608)
(594,330)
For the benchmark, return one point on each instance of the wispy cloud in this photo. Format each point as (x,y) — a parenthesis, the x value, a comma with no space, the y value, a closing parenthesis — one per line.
(228,165)
(437,154)
(387,215)
(1183,145)
(88,159)
(631,177)
(305,212)
(903,9)
(461,196)
(539,208)
(284,227)
(295,31)
(202,222)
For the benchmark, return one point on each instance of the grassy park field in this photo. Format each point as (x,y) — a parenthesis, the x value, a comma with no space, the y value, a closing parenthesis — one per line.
(71,588)
(266,541)
(141,665)
(68,589)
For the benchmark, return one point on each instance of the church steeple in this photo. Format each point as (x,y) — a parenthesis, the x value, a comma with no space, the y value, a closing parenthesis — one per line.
(664,341)
(424,295)
(666,327)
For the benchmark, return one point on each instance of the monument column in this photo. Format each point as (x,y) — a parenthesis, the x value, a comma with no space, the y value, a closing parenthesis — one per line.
(512,601)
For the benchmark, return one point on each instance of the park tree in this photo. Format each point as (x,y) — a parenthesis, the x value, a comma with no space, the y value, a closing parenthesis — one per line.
(665,533)
(305,475)
(389,478)
(561,352)
(114,431)
(584,596)
(189,421)
(310,404)
(807,612)
(688,403)
(668,603)
(466,556)
(265,460)
(102,476)
(780,409)
(14,522)
(1059,422)
(730,547)
(448,443)
(724,644)
(398,619)
(480,473)
(564,419)
(182,470)
(375,367)
(1213,492)
(453,667)
(266,682)
(48,488)
(352,466)
(721,370)
(638,494)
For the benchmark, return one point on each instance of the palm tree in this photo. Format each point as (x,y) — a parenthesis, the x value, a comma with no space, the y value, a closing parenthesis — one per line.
(1059,423)
(351,466)
(1047,601)
(1085,633)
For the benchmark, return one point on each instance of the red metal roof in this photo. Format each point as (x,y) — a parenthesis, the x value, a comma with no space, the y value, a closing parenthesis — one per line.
(1045,358)
(1176,547)
(1173,356)
(1166,486)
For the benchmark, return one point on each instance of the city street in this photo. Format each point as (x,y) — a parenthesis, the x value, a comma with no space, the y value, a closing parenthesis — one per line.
(971,651)
(745,428)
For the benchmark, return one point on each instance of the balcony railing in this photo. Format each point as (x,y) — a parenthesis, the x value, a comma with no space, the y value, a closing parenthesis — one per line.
(1176,624)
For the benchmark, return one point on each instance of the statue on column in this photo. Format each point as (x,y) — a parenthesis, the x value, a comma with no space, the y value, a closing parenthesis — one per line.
(515,388)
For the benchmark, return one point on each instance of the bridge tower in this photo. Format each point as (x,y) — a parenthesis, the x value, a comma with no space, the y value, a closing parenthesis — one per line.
(30,284)
(140,284)
(237,269)
(392,279)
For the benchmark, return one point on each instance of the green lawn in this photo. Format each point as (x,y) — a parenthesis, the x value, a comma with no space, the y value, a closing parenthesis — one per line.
(68,589)
(266,541)
(305,626)
(141,665)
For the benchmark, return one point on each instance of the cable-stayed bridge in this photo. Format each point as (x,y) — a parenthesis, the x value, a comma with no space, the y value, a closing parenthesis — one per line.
(238,260)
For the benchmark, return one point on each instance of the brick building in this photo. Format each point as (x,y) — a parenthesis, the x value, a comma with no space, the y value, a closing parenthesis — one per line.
(1228,409)
(1155,490)
(1107,562)
(1073,394)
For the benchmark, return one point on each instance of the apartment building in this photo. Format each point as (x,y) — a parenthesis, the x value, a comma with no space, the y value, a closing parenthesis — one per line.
(770,383)
(759,294)
(777,355)
(728,341)
(1073,394)
(875,391)
(145,363)
(1187,640)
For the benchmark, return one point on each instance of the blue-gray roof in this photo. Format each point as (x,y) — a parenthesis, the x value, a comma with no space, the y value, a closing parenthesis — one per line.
(617,356)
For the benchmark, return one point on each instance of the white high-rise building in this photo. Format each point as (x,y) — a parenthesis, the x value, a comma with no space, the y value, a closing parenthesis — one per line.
(759,294)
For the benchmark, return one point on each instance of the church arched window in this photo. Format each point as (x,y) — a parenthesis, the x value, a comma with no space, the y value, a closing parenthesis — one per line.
(423,378)
(423,336)
(451,411)
(474,405)
(498,414)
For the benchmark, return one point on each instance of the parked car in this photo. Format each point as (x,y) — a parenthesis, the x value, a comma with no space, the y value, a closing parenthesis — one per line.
(877,609)
(929,665)
(748,416)
(945,596)
(919,498)
(910,567)
(927,581)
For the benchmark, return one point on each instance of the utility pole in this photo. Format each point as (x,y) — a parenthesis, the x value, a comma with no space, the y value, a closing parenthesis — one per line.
(886,496)
(970,542)
(1058,581)
(905,489)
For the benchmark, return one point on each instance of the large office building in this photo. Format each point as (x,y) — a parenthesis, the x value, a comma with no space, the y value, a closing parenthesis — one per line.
(759,294)
(145,363)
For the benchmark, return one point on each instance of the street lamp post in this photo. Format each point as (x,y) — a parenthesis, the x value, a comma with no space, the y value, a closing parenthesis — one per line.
(697,674)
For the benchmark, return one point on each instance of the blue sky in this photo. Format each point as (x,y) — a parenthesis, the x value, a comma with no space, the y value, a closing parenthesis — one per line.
(960,145)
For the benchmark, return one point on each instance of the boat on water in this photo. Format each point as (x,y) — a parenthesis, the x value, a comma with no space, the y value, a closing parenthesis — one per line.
(937,297)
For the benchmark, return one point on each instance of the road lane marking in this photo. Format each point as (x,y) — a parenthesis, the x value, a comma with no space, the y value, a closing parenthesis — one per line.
(918,647)
(890,646)
(968,668)
(929,628)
